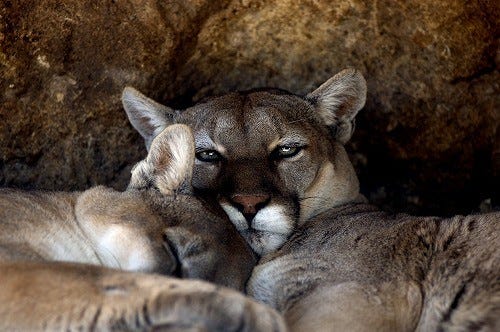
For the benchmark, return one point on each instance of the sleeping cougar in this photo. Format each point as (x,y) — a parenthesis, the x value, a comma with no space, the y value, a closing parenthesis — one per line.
(276,162)
(59,253)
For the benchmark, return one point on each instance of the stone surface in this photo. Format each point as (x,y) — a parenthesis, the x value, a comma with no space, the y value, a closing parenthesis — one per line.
(427,141)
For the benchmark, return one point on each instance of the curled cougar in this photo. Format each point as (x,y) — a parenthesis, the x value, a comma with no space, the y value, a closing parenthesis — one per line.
(277,165)
(60,254)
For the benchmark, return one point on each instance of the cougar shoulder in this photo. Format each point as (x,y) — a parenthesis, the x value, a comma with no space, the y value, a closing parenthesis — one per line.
(354,267)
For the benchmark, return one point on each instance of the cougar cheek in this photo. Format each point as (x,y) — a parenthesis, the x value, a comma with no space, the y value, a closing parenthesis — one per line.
(297,176)
(204,175)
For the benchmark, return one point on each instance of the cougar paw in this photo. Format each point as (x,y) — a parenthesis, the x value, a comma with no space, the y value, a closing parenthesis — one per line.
(200,306)
(194,254)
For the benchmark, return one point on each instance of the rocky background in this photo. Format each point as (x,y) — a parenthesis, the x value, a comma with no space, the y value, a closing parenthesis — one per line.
(426,142)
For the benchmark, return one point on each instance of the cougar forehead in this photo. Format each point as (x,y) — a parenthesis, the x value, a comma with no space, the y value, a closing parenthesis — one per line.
(244,123)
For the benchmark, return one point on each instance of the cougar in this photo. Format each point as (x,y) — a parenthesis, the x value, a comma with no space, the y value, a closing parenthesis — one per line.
(264,154)
(276,163)
(61,255)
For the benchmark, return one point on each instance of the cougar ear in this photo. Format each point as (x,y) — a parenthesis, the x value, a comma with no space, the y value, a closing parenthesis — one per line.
(148,117)
(169,164)
(338,100)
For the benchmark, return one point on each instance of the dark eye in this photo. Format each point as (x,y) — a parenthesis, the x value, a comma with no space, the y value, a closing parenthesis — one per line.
(209,156)
(286,151)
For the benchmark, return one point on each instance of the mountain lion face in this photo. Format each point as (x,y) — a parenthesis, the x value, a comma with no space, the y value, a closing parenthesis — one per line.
(271,159)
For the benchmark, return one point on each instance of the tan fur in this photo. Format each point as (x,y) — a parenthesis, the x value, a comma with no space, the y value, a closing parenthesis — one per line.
(244,128)
(347,266)
(373,271)
(60,255)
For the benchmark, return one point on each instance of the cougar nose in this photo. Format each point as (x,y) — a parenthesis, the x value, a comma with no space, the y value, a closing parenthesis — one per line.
(249,205)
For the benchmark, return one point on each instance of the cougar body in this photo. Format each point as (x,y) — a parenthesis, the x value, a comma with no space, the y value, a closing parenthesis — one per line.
(61,254)
(356,268)
(276,163)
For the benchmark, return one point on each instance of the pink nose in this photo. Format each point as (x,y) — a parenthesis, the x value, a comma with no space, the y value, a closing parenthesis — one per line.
(250,204)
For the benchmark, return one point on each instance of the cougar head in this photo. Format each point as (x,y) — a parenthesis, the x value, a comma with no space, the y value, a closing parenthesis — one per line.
(270,158)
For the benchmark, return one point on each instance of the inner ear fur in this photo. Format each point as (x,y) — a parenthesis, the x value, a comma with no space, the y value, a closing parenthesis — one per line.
(147,116)
(169,164)
(338,100)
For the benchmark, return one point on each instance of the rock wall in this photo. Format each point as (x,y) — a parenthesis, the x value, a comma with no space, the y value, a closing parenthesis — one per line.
(426,142)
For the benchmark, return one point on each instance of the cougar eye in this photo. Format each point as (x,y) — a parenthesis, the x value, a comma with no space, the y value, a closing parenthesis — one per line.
(286,151)
(209,156)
